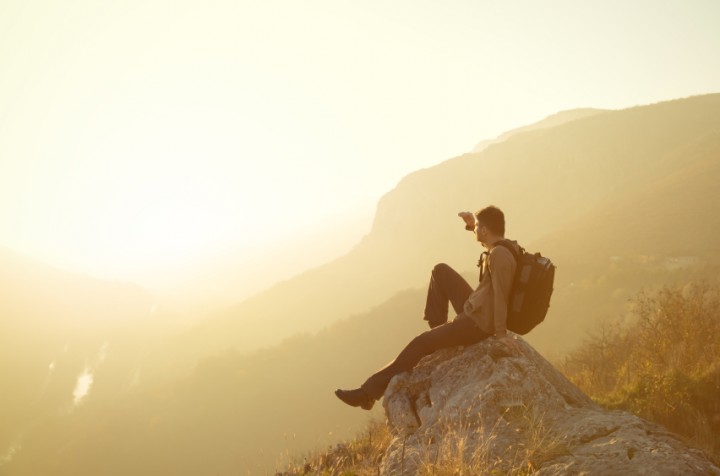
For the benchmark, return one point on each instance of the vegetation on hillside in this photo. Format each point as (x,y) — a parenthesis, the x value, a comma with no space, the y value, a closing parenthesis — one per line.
(361,456)
(662,364)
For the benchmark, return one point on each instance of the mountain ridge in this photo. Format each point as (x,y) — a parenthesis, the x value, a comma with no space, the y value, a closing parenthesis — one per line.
(568,171)
(552,120)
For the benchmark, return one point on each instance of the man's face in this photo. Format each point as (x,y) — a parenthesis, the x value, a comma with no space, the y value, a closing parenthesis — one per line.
(481,232)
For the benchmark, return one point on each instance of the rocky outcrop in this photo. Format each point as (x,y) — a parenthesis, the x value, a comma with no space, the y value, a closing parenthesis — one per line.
(482,411)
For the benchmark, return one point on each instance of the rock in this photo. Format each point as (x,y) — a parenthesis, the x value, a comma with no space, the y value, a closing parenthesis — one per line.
(478,412)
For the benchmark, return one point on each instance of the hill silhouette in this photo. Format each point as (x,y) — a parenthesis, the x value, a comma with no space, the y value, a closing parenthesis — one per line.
(551,121)
(601,185)
(231,412)
(56,325)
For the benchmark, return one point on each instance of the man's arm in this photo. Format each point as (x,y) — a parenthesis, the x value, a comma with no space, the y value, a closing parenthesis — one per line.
(502,272)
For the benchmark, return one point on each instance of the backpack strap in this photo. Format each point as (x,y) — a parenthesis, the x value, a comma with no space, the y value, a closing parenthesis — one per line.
(505,243)
(481,261)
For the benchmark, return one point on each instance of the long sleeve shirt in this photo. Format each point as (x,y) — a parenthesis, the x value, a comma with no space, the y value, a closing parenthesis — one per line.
(487,305)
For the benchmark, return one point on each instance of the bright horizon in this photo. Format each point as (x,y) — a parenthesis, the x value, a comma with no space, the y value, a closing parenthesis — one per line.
(137,137)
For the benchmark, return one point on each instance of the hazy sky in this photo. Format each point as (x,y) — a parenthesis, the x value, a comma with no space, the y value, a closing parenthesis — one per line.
(134,134)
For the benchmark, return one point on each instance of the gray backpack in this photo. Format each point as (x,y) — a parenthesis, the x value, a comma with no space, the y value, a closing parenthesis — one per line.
(531,290)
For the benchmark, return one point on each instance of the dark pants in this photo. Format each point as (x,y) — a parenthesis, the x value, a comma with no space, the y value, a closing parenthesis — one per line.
(446,286)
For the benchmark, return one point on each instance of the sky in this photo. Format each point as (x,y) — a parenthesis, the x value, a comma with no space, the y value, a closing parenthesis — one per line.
(136,135)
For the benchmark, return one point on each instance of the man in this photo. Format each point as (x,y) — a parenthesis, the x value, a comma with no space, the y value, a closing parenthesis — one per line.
(481,313)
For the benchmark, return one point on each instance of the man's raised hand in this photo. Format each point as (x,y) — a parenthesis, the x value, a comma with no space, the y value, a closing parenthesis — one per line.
(468,218)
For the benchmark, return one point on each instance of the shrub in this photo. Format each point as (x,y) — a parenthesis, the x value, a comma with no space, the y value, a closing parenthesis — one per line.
(663,364)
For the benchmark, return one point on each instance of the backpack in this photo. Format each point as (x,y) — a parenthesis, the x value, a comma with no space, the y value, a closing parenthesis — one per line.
(531,290)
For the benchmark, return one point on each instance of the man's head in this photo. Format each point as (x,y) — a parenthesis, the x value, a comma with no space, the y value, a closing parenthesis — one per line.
(489,225)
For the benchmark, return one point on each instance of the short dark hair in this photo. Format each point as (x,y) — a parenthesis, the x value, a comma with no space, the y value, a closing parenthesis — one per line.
(492,217)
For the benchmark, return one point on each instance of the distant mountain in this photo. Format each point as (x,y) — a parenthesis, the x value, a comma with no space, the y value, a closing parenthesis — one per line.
(671,208)
(43,297)
(632,181)
(56,326)
(233,413)
(550,121)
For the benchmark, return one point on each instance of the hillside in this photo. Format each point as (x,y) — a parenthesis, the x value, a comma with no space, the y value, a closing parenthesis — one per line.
(56,326)
(596,179)
(256,407)
(551,121)
(266,407)
(33,291)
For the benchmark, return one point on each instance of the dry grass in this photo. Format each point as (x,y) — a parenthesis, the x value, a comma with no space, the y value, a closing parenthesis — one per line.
(466,448)
(461,449)
(361,456)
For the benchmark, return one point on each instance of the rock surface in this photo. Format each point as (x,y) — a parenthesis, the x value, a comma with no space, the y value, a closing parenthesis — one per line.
(484,412)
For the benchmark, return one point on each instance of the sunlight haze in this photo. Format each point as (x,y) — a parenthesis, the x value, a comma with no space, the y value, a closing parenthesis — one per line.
(138,136)
(214,215)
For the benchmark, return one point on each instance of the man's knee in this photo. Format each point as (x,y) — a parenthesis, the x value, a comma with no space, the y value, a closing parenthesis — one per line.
(430,340)
(441,268)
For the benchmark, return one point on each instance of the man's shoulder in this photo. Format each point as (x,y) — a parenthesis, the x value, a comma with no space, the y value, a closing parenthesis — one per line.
(506,248)
(501,258)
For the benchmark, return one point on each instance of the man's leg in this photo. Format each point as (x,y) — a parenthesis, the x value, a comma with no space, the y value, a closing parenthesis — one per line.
(460,331)
(446,285)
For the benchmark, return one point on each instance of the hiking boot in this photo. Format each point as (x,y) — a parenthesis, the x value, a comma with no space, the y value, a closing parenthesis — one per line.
(356,398)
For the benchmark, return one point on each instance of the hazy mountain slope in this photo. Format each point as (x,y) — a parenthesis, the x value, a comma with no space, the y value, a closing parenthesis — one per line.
(551,121)
(41,293)
(54,326)
(545,180)
(548,178)
(232,414)
(240,414)
(671,214)
(666,226)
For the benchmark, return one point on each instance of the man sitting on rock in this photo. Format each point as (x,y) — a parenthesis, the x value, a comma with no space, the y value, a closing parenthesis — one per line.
(481,313)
